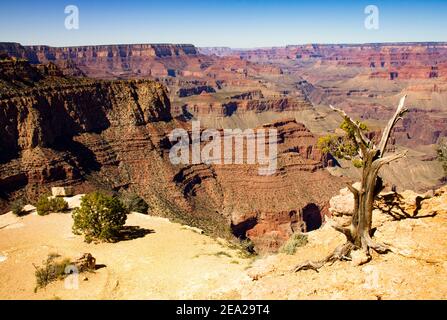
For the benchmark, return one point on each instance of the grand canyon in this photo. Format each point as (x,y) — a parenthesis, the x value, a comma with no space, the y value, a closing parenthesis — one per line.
(99,117)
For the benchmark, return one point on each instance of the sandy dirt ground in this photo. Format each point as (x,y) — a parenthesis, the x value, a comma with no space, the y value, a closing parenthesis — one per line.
(170,262)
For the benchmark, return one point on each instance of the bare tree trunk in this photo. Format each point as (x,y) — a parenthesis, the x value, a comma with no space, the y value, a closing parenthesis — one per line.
(358,234)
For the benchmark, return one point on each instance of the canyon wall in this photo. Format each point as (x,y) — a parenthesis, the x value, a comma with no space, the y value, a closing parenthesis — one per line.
(384,60)
(113,135)
(113,61)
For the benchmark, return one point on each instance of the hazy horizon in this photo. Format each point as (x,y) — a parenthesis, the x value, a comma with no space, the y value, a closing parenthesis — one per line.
(236,48)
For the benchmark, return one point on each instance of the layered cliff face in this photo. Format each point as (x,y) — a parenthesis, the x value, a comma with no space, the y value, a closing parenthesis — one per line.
(384,61)
(266,209)
(58,130)
(269,84)
(241,106)
(129,61)
(365,80)
(113,135)
(112,61)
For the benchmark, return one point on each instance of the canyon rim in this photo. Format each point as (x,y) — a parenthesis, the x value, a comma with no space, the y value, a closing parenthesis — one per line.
(220,162)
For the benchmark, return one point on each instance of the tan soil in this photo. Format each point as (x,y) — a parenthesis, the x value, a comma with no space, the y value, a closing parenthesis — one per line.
(175,262)
(171,263)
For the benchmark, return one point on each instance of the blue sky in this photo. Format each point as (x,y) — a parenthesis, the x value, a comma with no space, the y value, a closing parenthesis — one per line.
(233,23)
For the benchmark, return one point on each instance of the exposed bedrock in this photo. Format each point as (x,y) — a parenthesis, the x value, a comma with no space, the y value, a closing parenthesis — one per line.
(242,106)
(267,209)
(196,90)
(113,135)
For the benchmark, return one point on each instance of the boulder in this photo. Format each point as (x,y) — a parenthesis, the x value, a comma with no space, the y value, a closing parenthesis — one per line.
(358,257)
(343,203)
(62,191)
(85,262)
(28,208)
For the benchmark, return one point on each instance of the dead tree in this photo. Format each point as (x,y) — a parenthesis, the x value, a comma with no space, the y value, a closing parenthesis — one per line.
(358,233)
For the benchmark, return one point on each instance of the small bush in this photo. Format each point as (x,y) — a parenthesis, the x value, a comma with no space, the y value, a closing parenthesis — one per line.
(134,203)
(52,269)
(295,241)
(58,205)
(17,207)
(100,217)
(358,163)
(45,205)
(243,248)
(248,246)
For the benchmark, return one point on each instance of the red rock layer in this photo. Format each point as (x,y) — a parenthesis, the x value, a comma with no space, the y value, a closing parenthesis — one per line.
(242,106)
(139,61)
(113,135)
(384,60)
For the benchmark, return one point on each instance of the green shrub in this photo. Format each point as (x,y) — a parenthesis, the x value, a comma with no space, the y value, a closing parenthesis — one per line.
(17,207)
(358,163)
(58,205)
(45,205)
(248,247)
(100,217)
(52,269)
(295,241)
(344,147)
(134,203)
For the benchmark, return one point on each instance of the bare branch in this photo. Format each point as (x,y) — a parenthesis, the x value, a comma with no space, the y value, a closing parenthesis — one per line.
(361,139)
(377,164)
(378,247)
(340,253)
(358,233)
(310,265)
(352,189)
(387,131)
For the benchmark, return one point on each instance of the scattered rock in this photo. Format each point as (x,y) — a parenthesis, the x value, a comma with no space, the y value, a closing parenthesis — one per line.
(85,262)
(74,201)
(358,258)
(29,208)
(62,191)
(437,204)
(194,229)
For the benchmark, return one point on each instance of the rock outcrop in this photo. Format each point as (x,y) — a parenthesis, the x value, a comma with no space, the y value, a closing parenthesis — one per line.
(398,206)
(190,91)
(343,203)
(242,106)
(415,270)
(85,262)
